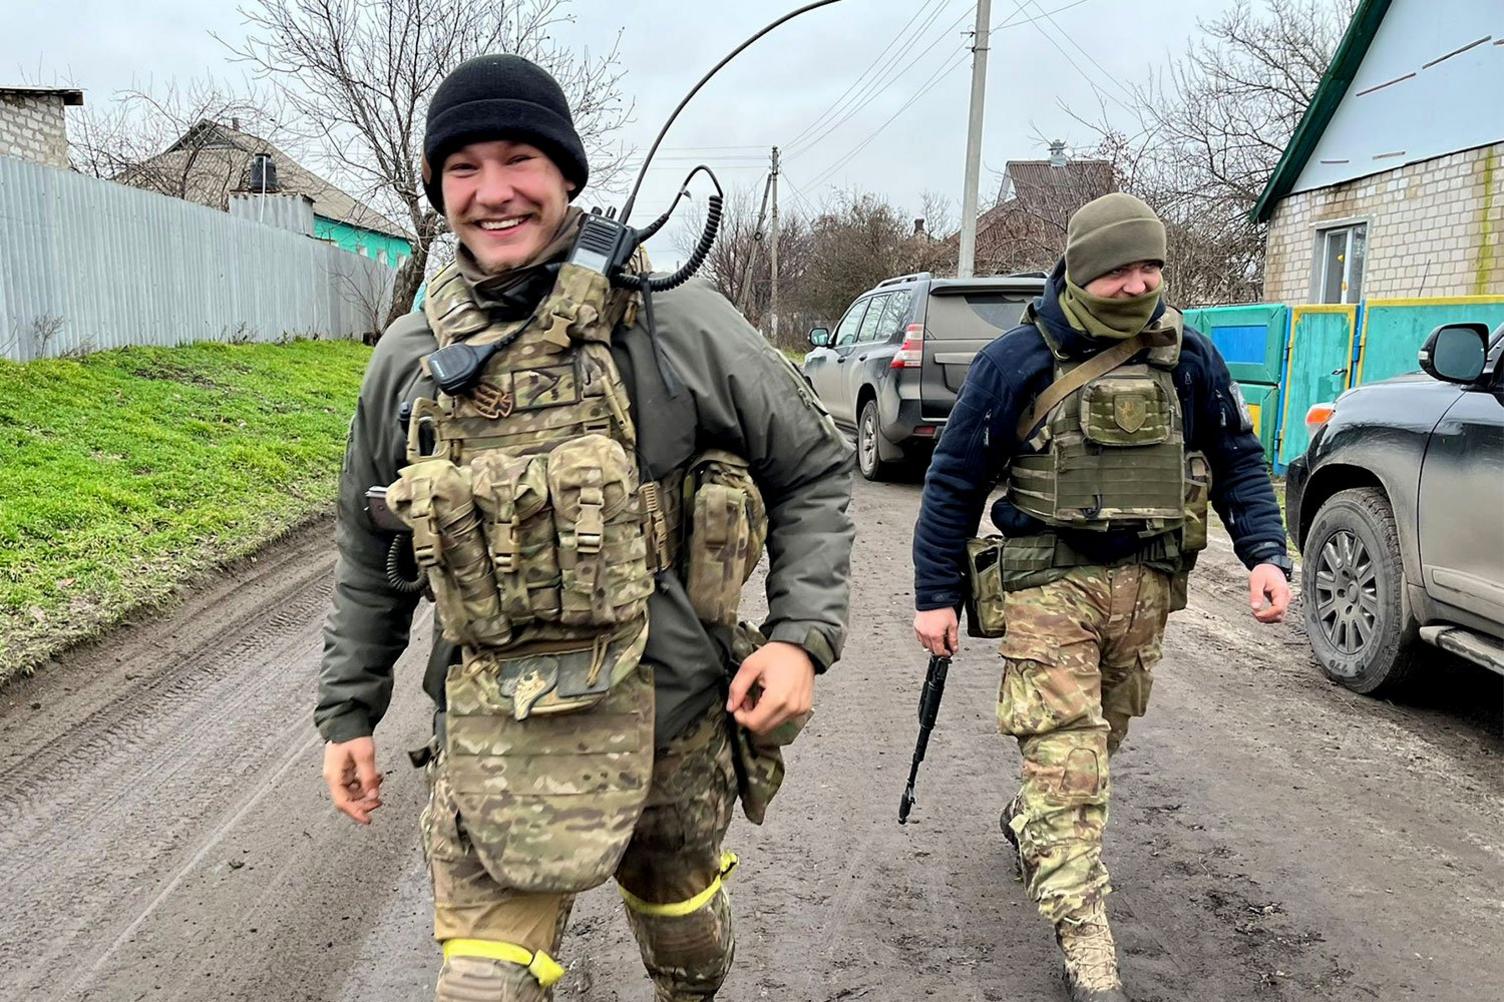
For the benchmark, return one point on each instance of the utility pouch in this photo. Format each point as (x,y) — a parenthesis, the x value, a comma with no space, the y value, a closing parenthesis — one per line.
(727,529)
(512,494)
(1127,408)
(1031,561)
(758,758)
(602,550)
(1198,492)
(984,598)
(434,499)
(551,767)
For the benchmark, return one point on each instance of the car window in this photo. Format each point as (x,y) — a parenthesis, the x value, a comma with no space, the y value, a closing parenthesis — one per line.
(895,314)
(873,318)
(976,315)
(846,332)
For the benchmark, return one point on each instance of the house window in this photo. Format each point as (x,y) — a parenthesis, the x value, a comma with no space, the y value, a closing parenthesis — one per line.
(1339,263)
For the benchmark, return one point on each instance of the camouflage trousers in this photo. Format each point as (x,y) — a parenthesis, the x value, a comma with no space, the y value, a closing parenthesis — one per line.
(1077,667)
(670,878)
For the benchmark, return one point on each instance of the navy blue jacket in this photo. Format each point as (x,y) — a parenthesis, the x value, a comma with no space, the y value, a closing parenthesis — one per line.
(980,439)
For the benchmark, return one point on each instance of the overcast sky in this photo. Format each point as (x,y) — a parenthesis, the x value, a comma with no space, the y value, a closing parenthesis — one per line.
(900,136)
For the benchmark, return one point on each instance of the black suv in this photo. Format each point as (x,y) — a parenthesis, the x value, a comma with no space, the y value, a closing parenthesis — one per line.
(1398,505)
(893,366)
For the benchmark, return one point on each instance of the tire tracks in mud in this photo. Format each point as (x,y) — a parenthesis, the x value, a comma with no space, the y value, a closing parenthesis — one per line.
(164,835)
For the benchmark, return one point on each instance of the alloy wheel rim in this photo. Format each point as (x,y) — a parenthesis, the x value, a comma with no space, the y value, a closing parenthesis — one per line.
(869,441)
(1347,592)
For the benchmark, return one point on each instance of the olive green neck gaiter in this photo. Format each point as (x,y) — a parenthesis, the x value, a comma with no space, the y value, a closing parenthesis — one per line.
(1111,319)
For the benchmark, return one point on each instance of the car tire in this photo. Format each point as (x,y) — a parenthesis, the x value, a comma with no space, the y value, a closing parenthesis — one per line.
(868,458)
(1353,593)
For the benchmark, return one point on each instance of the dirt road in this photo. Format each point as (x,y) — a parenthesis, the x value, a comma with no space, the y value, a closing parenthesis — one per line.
(164,833)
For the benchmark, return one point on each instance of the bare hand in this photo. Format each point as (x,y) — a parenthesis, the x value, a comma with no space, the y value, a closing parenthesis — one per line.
(938,631)
(786,677)
(1268,581)
(354,783)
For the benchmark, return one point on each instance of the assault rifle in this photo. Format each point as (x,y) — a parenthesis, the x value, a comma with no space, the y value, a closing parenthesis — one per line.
(929,709)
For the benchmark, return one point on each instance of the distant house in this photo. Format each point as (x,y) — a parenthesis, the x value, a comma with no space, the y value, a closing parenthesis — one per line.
(1393,183)
(1025,229)
(31,123)
(215,164)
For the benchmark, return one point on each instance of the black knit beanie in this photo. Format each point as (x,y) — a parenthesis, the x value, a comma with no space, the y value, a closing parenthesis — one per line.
(500,97)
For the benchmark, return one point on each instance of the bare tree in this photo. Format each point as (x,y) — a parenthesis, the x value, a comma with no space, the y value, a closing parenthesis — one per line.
(360,74)
(155,137)
(1211,128)
(859,240)
(939,214)
(741,242)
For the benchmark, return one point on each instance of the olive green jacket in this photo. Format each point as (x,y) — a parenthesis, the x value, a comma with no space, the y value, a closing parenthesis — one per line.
(717,384)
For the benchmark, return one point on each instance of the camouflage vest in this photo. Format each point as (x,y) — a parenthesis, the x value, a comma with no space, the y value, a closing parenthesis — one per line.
(1111,455)
(538,541)
(529,514)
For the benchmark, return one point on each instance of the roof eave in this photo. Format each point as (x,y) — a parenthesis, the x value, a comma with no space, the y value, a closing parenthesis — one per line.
(1329,93)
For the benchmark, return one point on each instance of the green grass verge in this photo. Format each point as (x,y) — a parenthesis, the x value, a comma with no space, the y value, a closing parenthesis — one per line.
(126,472)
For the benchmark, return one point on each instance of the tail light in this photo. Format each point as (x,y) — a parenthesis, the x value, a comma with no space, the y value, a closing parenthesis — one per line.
(911,354)
(1319,415)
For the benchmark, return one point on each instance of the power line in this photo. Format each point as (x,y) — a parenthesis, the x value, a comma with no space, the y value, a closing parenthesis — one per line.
(808,205)
(1050,16)
(832,110)
(1084,76)
(1010,22)
(880,89)
(935,78)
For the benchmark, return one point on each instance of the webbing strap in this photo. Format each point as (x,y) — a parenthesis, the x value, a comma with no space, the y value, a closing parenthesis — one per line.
(678,909)
(540,965)
(1093,368)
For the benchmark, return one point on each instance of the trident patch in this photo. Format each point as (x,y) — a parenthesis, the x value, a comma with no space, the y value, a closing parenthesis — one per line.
(1130,412)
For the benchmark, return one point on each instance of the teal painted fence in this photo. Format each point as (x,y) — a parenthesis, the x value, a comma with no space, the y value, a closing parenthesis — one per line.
(1250,338)
(1318,369)
(1393,330)
(1287,357)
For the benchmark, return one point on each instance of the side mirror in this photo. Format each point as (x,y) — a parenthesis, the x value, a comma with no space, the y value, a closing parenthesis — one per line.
(819,337)
(1455,353)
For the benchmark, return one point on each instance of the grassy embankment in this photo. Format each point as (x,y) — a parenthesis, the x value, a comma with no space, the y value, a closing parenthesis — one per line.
(126,472)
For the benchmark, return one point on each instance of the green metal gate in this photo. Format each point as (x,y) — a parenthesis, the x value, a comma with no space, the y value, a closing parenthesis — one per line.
(1319,368)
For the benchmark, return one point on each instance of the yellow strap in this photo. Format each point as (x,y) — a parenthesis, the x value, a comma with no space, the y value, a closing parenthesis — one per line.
(540,965)
(678,909)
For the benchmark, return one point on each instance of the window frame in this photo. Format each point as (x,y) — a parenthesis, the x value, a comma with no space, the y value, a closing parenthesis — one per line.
(1325,231)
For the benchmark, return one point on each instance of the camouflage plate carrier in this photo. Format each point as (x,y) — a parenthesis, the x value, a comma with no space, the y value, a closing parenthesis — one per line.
(540,545)
(1109,456)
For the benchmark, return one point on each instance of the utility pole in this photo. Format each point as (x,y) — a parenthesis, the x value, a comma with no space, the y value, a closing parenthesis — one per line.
(773,251)
(967,263)
(744,291)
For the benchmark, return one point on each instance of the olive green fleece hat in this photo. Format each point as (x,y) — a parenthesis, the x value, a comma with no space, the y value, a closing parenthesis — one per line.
(1109,232)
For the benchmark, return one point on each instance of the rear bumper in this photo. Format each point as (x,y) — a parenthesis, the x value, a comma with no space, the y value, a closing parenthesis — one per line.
(904,424)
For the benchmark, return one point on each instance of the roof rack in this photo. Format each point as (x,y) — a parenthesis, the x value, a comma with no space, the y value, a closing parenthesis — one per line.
(903,278)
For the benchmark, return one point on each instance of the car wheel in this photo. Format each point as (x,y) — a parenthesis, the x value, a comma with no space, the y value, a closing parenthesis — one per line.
(1353,593)
(867,458)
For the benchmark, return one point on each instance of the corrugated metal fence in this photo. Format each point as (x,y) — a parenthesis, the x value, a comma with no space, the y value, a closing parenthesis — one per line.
(87,265)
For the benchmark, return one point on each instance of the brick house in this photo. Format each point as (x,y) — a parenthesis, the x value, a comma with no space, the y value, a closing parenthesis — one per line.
(1392,185)
(32,126)
(1025,229)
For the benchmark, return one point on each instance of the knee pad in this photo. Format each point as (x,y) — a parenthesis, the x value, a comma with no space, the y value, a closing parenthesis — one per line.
(477,970)
(686,946)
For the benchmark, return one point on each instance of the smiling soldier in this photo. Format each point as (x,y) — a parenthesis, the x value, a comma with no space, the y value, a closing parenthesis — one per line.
(1109,424)
(584,513)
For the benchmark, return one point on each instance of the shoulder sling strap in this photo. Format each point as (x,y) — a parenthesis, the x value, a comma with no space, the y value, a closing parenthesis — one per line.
(1095,367)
